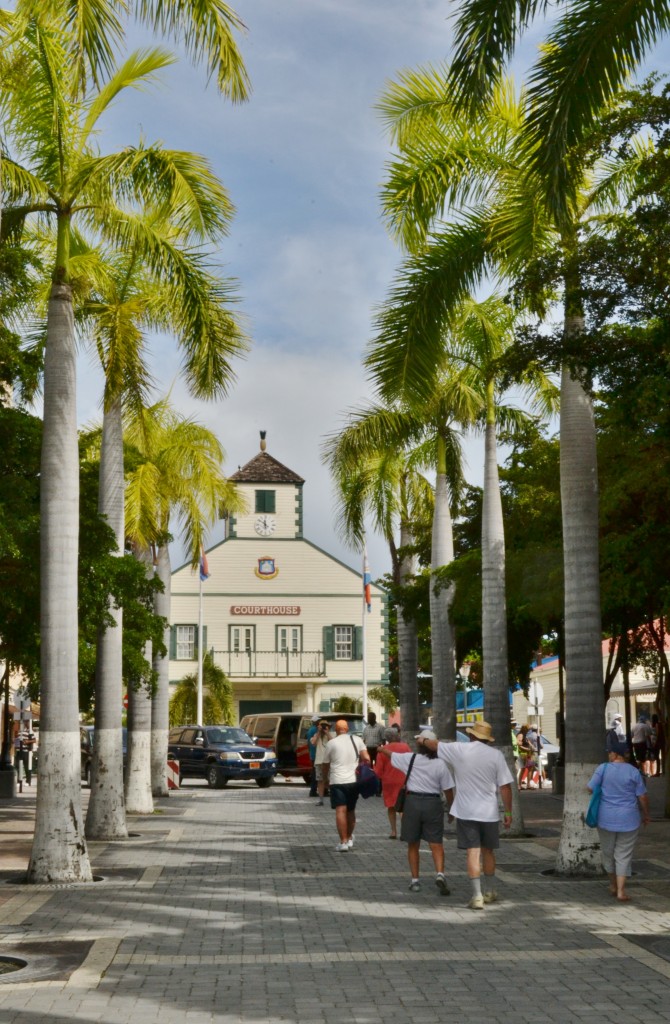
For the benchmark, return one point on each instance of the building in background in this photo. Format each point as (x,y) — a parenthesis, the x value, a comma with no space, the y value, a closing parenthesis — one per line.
(283,618)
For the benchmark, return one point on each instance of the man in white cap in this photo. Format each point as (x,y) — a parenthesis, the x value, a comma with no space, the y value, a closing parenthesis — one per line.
(616,734)
(427,778)
(480,772)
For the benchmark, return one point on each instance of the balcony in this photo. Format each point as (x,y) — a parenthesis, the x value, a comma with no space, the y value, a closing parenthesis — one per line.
(271,664)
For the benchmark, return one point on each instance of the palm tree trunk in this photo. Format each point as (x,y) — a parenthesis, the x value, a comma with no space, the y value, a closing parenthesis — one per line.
(160,704)
(408,648)
(578,851)
(441,599)
(494,608)
(138,771)
(106,815)
(59,852)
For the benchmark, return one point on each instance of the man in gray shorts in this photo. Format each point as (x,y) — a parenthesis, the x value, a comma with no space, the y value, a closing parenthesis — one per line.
(480,771)
(423,813)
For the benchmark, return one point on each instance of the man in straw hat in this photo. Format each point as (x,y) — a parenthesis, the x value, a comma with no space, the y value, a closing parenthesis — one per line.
(479,771)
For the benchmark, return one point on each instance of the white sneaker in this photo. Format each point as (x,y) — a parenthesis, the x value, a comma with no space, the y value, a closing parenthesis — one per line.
(350,841)
(476,903)
(491,896)
(342,847)
(415,886)
(441,883)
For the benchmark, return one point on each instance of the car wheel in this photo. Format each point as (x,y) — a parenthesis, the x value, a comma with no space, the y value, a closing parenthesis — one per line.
(265,782)
(215,780)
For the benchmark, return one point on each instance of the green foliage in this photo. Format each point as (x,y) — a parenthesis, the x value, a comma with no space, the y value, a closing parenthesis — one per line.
(384,696)
(100,571)
(348,705)
(217,704)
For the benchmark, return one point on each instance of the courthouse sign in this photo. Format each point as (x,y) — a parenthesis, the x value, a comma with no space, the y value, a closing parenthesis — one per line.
(265,609)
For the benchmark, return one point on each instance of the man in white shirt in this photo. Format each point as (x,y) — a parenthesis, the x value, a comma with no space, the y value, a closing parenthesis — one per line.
(480,771)
(426,779)
(340,761)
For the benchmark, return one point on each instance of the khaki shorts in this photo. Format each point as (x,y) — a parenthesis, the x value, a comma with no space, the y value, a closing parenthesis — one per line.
(318,772)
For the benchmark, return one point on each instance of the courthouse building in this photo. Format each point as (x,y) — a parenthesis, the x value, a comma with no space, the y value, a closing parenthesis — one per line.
(283,618)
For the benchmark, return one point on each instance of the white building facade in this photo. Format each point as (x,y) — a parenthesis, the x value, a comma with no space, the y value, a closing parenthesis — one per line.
(285,620)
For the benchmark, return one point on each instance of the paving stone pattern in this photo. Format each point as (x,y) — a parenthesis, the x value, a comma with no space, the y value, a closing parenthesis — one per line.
(233,906)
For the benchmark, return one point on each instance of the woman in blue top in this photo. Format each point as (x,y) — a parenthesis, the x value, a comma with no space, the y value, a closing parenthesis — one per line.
(624,805)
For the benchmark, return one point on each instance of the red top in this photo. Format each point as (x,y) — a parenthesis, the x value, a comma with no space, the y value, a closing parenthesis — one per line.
(392,778)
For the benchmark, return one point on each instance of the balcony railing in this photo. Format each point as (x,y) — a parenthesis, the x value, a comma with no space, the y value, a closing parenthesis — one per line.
(269,664)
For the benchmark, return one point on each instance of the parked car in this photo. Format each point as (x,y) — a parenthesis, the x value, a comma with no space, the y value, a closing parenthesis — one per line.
(286,732)
(220,753)
(87,735)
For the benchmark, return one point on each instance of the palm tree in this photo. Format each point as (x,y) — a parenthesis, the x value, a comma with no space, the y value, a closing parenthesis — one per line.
(56,173)
(217,705)
(178,478)
(370,432)
(385,483)
(501,227)
(129,300)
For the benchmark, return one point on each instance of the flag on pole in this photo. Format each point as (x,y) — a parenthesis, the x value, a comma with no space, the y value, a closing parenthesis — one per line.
(204,566)
(367,580)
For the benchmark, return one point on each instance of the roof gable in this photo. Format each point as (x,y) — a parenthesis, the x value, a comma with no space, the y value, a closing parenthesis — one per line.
(264,469)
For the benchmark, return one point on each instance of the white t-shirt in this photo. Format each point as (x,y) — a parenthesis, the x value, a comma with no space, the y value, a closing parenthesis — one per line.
(342,758)
(428,775)
(479,770)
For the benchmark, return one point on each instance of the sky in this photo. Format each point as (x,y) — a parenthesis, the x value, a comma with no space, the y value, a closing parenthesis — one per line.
(303,161)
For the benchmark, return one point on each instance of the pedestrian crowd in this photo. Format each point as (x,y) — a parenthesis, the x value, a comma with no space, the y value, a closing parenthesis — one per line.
(468,782)
(464,781)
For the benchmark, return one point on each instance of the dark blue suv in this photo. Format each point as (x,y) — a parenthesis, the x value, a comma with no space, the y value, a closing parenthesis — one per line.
(219,753)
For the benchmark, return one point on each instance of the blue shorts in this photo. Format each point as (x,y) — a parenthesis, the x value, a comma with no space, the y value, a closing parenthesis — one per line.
(345,795)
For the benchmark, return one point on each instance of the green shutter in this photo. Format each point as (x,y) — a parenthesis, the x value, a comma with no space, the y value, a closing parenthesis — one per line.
(329,642)
(358,643)
(195,642)
(173,642)
(204,640)
(324,706)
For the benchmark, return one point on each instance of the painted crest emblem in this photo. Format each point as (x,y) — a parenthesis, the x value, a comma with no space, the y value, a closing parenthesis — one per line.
(266,569)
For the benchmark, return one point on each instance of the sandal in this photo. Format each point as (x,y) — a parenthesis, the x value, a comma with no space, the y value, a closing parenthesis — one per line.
(624,899)
(393,837)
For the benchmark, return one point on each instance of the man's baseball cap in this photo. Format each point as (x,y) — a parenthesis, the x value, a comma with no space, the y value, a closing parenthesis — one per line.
(316,718)
(427,734)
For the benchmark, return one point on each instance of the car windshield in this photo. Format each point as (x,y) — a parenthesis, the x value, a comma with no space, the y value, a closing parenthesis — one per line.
(228,734)
(356,725)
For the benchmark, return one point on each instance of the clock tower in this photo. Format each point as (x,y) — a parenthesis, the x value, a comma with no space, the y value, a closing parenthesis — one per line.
(273,495)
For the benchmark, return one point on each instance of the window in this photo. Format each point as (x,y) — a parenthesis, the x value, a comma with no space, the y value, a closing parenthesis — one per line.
(266,727)
(265,501)
(289,639)
(242,638)
(186,650)
(344,643)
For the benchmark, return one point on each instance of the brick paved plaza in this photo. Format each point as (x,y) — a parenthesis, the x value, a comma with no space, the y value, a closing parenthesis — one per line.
(233,906)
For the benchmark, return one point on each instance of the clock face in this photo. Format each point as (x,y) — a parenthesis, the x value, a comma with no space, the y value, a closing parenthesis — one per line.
(265,526)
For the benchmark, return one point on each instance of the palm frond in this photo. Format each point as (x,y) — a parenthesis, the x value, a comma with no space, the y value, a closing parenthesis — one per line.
(486,34)
(588,57)
(206,28)
(137,72)
(408,349)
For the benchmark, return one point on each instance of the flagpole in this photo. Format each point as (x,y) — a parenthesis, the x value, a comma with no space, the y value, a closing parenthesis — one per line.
(198,714)
(364,607)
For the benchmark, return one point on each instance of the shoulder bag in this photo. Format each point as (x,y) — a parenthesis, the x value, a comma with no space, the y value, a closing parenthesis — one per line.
(399,804)
(368,783)
(591,816)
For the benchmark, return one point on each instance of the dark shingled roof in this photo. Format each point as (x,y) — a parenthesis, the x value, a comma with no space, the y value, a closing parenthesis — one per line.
(263,469)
